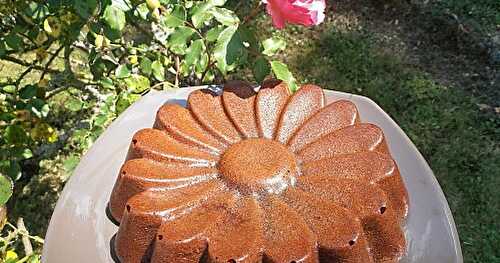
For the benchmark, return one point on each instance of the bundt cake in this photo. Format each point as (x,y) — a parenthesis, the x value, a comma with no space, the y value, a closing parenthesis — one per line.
(267,176)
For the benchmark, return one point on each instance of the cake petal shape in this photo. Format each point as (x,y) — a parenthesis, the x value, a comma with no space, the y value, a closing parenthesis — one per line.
(360,137)
(180,124)
(271,83)
(367,166)
(138,175)
(385,236)
(336,228)
(308,100)
(239,237)
(146,211)
(207,108)
(246,176)
(239,102)
(363,198)
(396,192)
(288,238)
(333,117)
(157,145)
(184,239)
(268,106)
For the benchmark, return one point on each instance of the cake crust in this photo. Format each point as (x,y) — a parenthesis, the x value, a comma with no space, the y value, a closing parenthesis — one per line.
(267,176)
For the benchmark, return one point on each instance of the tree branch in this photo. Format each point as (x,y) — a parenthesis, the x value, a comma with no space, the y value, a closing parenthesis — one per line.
(255,11)
(28,249)
(20,78)
(27,64)
(46,45)
(147,33)
(50,61)
(81,46)
(177,68)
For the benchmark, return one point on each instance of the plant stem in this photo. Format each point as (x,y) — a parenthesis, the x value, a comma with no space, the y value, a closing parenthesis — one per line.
(27,64)
(255,11)
(177,68)
(28,249)
(50,61)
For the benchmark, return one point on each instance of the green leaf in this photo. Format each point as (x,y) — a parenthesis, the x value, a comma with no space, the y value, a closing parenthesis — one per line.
(248,36)
(107,83)
(153,4)
(70,164)
(85,8)
(9,89)
(142,11)
(114,17)
(225,16)
(175,18)
(221,48)
(217,2)
(15,134)
(137,83)
(273,45)
(281,71)
(145,66)
(28,92)
(201,15)
(124,101)
(122,72)
(35,258)
(179,38)
(11,257)
(7,116)
(3,48)
(158,70)
(44,132)
(39,107)
(14,41)
(20,153)
(74,104)
(201,64)
(194,51)
(214,33)
(261,69)
(101,120)
(13,170)
(36,11)
(6,187)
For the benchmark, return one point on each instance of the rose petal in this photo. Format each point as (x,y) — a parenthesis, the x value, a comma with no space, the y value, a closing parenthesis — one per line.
(302,12)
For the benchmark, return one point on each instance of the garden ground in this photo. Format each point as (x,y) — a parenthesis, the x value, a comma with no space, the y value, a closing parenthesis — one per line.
(432,77)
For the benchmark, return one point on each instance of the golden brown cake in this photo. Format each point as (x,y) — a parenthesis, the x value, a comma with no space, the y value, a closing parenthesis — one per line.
(265,176)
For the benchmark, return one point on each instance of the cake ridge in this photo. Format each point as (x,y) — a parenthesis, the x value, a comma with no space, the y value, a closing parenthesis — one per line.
(274,156)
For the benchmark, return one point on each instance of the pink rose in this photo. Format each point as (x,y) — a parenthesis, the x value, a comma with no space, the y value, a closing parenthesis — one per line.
(302,12)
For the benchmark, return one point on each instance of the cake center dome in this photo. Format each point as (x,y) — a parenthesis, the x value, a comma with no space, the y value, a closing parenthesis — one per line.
(259,165)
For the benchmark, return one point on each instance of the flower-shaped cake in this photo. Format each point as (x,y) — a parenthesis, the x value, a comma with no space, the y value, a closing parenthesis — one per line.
(265,176)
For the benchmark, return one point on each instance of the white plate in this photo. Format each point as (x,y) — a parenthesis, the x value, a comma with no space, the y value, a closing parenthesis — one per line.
(80,231)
